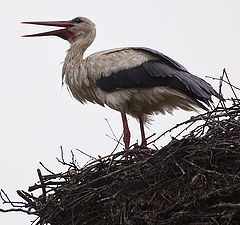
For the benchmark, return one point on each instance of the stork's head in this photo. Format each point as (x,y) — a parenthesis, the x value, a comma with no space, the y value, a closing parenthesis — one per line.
(76,29)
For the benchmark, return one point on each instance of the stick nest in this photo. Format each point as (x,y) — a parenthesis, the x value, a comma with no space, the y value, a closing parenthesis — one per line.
(192,180)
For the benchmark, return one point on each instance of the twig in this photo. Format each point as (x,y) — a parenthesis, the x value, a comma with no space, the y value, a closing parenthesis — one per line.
(84,153)
(62,161)
(17,210)
(142,144)
(110,127)
(226,205)
(28,200)
(227,82)
(117,140)
(46,168)
(8,200)
(118,143)
(231,86)
(101,158)
(42,185)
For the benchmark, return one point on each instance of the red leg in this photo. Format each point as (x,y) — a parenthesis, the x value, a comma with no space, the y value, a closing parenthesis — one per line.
(144,142)
(126,132)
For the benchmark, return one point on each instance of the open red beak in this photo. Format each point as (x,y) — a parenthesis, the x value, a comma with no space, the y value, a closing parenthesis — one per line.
(63,33)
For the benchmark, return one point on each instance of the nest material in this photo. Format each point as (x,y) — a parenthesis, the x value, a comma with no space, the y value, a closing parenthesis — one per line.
(194,180)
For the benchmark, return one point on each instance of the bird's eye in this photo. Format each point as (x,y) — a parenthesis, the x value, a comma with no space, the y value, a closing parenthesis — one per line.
(76,20)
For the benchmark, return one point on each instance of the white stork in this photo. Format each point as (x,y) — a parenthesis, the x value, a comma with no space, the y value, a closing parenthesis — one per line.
(135,80)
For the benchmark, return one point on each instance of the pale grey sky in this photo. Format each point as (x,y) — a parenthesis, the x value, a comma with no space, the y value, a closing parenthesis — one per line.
(38,115)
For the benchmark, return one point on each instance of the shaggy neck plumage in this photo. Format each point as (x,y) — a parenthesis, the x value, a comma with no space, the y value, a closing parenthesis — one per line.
(75,53)
(82,42)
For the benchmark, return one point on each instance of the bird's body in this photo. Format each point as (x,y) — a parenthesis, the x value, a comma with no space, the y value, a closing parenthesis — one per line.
(84,75)
(137,81)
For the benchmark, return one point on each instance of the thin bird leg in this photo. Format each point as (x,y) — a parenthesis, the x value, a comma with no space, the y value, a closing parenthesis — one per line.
(126,132)
(144,142)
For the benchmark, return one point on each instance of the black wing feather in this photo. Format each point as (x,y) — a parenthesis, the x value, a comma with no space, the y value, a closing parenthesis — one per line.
(162,72)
